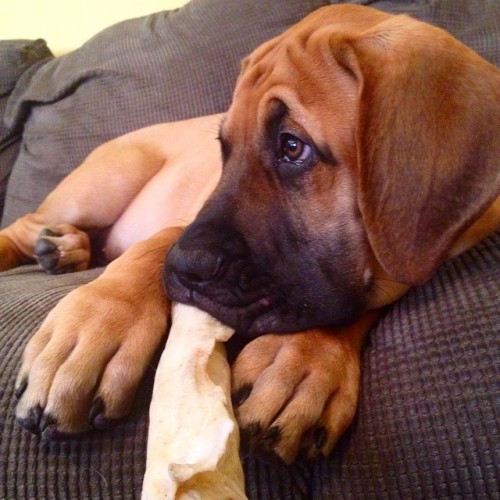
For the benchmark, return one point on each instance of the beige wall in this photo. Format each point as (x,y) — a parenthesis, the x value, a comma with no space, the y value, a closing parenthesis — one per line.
(66,24)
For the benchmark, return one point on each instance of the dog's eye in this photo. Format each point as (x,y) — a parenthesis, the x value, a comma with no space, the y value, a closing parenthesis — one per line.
(294,149)
(293,153)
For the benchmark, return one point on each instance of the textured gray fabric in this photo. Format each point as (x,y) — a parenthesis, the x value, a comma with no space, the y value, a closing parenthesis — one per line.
(163,67)
(428,422)
(16,58)
(474,22)
(427,425)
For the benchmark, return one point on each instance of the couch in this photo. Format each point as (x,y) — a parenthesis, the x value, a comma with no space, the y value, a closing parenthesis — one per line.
(427,425)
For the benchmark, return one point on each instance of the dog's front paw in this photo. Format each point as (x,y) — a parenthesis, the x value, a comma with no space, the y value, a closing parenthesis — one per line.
(82,368)
(295,394)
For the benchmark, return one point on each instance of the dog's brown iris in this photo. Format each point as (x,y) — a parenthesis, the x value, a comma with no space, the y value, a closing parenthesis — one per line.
(292,148)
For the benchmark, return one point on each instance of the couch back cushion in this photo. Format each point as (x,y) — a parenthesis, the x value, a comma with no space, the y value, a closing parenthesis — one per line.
(163,67)
(169,66)
(16,58)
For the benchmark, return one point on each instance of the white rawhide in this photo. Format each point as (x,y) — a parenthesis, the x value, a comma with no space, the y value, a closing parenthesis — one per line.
(193,441)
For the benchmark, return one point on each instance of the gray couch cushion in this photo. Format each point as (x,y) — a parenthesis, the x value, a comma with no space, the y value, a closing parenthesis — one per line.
(474,22)
(16,58)
(427,426)
(163,67)
(428,422)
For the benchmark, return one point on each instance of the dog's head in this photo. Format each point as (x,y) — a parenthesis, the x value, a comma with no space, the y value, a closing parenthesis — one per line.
(358,147)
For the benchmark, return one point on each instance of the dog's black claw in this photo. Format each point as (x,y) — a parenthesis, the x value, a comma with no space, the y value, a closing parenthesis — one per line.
(272,436)
(101,423)
(49,429)
(248,435)
(21,387)
(268,455)
(264,447)
(51,433)
(253,430)
(96,416)
(241,395)
(98,407)
(46,421)
(32,421)
(320,436)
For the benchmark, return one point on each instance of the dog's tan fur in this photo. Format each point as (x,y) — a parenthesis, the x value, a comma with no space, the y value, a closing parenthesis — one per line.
(98,340)
(128,189)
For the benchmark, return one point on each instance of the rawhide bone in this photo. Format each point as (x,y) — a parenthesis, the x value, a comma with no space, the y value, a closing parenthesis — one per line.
(193,439)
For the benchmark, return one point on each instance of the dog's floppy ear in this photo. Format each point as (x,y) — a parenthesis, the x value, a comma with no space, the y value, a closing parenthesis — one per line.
(428,138)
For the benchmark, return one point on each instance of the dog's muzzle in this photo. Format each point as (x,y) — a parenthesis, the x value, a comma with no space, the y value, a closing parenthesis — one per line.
(212,270)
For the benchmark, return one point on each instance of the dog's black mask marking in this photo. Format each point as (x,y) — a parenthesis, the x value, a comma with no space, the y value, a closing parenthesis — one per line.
(279,246)
(259,270)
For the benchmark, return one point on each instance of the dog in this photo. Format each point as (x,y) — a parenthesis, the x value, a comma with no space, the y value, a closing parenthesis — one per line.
(361,151)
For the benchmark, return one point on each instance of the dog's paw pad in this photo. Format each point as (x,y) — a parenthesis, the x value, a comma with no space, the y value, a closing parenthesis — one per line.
(47,254)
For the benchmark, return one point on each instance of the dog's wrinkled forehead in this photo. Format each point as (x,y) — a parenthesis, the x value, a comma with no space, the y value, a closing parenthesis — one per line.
(264,68)
(276,76)
(308,41)
(296,79)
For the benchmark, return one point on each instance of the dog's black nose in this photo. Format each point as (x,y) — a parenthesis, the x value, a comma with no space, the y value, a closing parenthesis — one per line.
(194,266)
(203,255)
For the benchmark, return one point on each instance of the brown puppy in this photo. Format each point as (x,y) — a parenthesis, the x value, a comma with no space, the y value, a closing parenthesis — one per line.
(361,150)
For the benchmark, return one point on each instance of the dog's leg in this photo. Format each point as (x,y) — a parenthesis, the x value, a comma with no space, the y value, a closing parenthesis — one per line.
(82,368)
(92,197)
(296,394)
(114,188)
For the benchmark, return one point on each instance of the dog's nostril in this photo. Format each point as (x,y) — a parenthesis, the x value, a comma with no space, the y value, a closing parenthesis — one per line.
(200,277)
(206,267)
(195,266)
